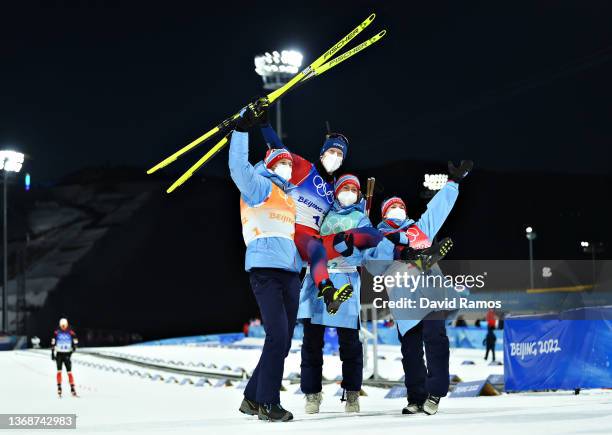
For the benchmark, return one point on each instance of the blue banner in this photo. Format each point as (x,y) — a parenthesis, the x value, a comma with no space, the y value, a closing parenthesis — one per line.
(564,351)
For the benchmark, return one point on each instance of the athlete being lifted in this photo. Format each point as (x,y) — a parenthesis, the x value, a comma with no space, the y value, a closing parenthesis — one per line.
(314,196)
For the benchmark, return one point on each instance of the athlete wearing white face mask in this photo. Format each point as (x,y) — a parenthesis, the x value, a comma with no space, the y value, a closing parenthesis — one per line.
(280,162)
(313,194)
(333,152)
(346,215)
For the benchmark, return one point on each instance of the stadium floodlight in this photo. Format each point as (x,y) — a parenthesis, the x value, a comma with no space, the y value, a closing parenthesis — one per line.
(276,69)
(10,161)
(529,230)
(435,181)
(584,244)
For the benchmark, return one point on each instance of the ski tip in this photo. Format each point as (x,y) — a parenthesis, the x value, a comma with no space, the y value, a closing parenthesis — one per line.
(371,17)
(177,183)
(155,168)
(161,165)
(381,34)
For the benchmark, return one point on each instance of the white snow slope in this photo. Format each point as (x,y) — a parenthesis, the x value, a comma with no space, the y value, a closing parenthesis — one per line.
(114,402)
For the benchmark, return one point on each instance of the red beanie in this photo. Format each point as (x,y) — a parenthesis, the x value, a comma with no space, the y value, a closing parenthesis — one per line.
(273,155)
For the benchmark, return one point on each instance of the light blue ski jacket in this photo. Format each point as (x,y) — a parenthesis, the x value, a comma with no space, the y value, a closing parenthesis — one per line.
(341,271)
(379,260)
(255,185)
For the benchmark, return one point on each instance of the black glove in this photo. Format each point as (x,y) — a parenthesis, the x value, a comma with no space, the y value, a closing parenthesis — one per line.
(344,244)
(396,238)
(408,254)
(458,174)
(264,118)
(52,356)
(253,114)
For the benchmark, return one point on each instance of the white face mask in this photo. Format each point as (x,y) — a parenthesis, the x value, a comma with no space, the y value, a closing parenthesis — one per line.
(283,171)
(331,162)
(346,198)
(397,213)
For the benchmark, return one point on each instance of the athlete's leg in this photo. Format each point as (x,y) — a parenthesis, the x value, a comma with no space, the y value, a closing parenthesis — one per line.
(311,249)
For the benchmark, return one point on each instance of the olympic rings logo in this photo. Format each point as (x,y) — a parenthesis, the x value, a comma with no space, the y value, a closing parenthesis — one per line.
(321,187)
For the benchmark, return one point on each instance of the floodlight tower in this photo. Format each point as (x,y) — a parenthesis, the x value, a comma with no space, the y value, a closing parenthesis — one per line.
(276,69)
(593,248)
(10,161)
(531,236)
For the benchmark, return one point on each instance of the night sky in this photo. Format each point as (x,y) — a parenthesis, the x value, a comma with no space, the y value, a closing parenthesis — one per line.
(521,86)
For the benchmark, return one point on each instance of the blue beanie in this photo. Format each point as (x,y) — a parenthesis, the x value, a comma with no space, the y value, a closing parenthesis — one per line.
(335,140)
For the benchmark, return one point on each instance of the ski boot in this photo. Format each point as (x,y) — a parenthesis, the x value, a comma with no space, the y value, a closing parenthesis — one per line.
(269,412)
(59,391)
(73,391)
(334,297)
(412,407)
(313,402)
(426,258)
(249,407)
(430,407)
(352,401)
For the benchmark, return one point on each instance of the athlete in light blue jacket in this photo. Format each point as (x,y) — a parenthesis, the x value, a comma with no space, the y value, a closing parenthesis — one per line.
(268,226)
(418,328)
(347,212)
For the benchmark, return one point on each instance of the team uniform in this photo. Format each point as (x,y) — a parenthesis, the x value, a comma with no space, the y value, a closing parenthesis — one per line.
(425,327)
(63,343)
(314,197)
(346,321)
(268,226)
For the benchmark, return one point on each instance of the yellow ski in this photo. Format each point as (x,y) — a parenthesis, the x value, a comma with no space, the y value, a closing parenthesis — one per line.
(314,73)
(271,97)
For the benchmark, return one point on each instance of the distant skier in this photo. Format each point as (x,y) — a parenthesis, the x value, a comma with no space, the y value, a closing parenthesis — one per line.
(489,342)
(314,196)
(272,260)
(426,327)
(63,343)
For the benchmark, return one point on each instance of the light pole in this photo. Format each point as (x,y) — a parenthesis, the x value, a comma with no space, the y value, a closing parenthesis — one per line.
(531,235)
(592,248)
(276,69)
(10,161)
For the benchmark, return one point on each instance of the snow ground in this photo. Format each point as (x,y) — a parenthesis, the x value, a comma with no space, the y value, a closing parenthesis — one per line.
(117,403)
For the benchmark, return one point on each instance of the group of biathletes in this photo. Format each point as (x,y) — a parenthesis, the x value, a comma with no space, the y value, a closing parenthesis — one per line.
(297,213)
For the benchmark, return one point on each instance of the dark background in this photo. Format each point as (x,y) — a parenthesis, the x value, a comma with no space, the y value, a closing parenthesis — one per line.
(523,89)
